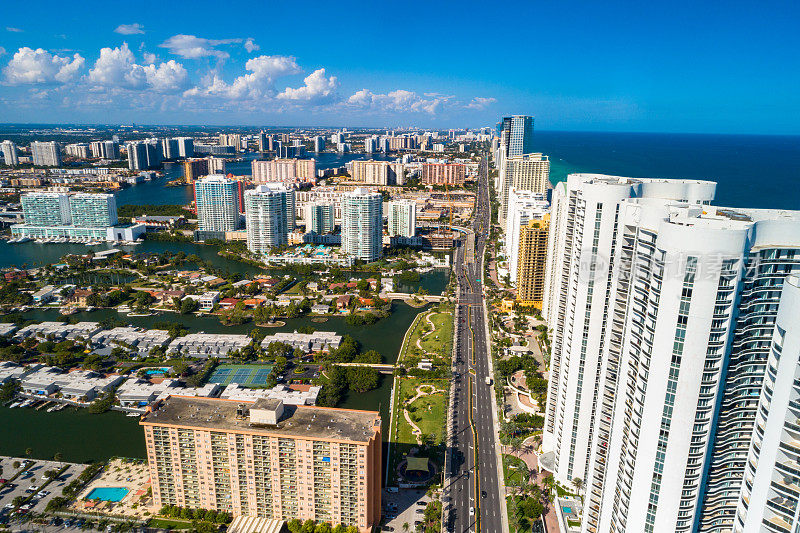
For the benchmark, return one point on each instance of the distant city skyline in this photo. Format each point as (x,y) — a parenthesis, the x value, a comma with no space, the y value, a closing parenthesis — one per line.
(590,67)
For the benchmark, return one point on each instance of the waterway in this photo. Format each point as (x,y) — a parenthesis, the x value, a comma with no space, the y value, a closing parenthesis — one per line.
(83,437)
(74,432)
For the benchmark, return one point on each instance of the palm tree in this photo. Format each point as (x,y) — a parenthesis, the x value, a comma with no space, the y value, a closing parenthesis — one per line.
(57,457)
(28,451)
(578,484)
(406,527)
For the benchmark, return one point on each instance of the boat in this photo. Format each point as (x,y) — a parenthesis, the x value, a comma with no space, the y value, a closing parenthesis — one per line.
(14,405)
(134,414)
(68,311)
(55,407)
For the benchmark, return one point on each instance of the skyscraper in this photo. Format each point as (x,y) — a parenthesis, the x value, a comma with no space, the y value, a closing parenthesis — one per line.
(216,199)
(529,172)
(10,155)
(768,500)
(532,261)
(284,171)
(523,206)
(319,143)
(143,155)
(402,218)
(268,209)
(93,210)
(320,217)
(362,224)
(46,208)
(195,168)
(517,135)
(185,147)
(104,149)
(169,148)
(378,172)
(663,308)
(46,154)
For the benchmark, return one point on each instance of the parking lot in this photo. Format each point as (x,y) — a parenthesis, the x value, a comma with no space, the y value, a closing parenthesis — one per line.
(404,506)
(31,482)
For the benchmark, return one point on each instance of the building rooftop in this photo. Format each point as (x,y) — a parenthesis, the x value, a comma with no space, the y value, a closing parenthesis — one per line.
(303,422)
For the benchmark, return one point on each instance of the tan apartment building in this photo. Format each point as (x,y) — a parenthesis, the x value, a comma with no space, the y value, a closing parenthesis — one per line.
(284,171)
(443,174)
(378,172)
(532,262)
(194,169)
(265,459)
(526,172)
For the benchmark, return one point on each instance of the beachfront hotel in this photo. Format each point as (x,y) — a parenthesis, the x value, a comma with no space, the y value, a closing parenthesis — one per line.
(266,459)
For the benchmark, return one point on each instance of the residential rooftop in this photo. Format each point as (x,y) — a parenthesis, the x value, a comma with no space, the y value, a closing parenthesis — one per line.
(296,421)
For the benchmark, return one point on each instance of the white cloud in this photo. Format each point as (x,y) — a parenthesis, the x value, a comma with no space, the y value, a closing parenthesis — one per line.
(129,29)
(317,88)
(40,66)
(14,30)
(480,103)
(149,58)
(192,47)
(399,100)
(250,45)
(264,70)
(117,68)
(167,77)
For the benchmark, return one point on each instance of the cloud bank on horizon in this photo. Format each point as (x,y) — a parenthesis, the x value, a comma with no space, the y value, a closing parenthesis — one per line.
(194,75)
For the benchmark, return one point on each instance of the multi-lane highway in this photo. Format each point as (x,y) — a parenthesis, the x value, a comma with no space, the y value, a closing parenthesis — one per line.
(473,489)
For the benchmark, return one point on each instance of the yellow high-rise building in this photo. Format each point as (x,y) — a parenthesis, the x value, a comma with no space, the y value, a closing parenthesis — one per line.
(532,262)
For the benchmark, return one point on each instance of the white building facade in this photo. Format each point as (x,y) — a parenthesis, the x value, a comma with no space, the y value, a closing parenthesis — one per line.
(362,225)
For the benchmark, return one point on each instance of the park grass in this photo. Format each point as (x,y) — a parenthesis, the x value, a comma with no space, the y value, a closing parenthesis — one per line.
(169,523)
(441,339)
(432,411)
(515,471)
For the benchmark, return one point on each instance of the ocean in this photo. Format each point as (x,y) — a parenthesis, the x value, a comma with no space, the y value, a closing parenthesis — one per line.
(759,171)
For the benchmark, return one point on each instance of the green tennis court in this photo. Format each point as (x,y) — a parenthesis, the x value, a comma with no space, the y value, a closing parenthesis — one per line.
(246,375)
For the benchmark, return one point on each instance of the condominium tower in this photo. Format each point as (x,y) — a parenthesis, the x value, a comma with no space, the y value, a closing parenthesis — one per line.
(264,459)
(517,135)
(268,209)
(523,206)
(46,154)
(93,210)
(662,309)
(10,154)
(529,172)
(284,171)
(320,217)
(532,261)
(46,208)
(378,172)
(402,218)
(362,224)
(216,199)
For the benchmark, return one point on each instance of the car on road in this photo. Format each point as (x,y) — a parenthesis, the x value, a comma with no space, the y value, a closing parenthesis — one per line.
(483,494)
(472,511)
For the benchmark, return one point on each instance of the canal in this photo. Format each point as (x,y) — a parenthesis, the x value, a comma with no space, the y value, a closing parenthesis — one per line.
(76,434)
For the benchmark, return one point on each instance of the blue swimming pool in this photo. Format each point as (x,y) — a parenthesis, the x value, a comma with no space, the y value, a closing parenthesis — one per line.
(108,494)
(156,371)
(567,510)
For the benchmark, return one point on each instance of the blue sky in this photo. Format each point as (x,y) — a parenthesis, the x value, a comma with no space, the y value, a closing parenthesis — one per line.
(725,67)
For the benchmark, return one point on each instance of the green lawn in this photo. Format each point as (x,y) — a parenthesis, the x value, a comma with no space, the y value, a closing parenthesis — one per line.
(429,415)
(169,523)
(515,470)
(440,340)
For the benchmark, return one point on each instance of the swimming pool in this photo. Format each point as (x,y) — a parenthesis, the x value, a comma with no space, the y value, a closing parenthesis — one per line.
(108,494)
(567,510)
(156,371)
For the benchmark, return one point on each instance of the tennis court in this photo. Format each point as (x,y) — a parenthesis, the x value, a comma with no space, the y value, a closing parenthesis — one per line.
(247,375)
